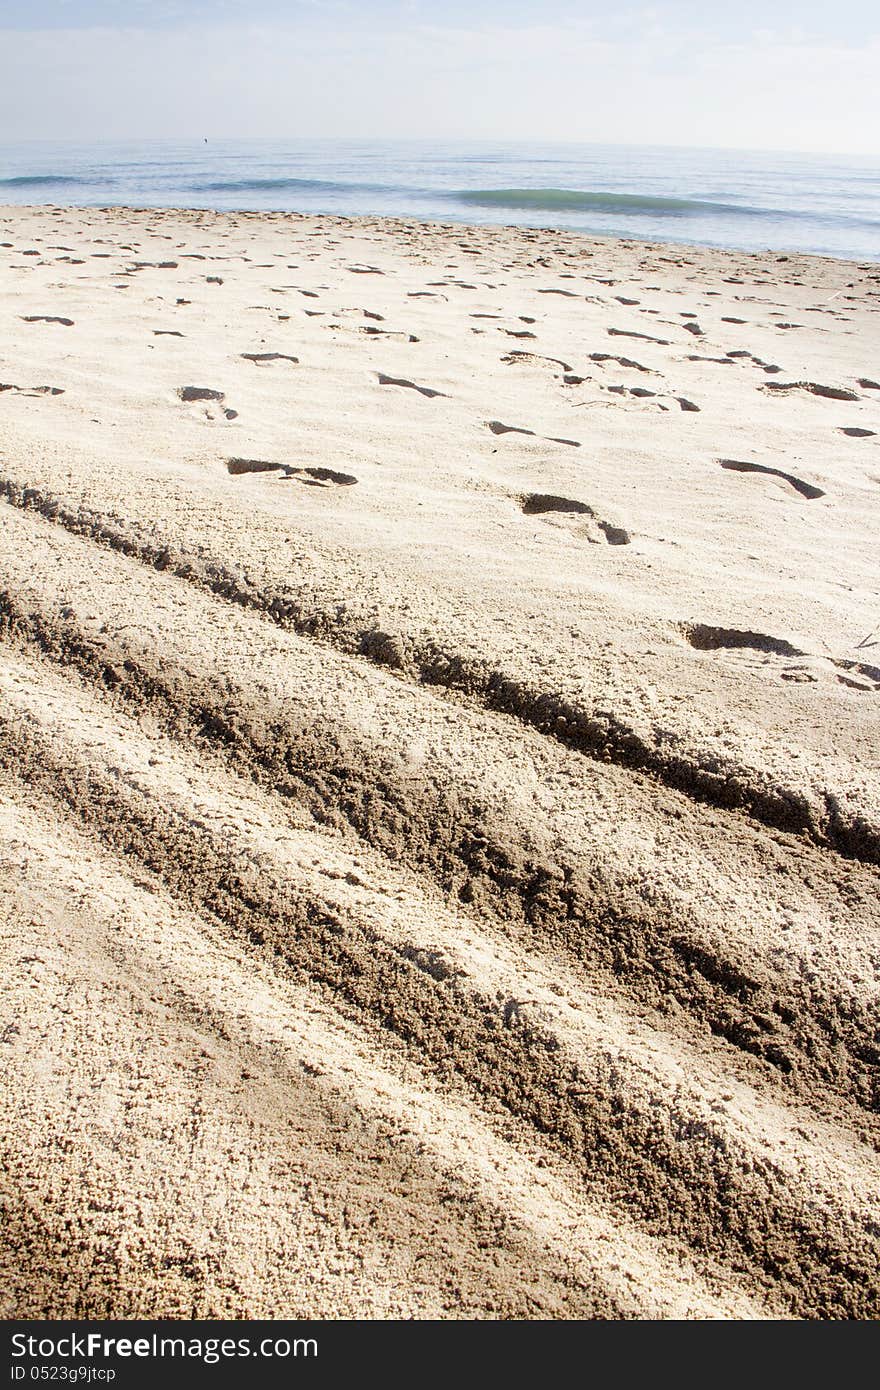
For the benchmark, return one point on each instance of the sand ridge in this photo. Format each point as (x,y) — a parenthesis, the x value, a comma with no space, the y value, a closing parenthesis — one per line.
(508,713)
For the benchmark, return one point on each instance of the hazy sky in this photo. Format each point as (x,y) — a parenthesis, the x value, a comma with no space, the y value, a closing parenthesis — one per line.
(752,73)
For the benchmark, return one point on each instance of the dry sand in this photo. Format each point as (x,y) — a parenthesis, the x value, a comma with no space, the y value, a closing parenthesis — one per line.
(439,772)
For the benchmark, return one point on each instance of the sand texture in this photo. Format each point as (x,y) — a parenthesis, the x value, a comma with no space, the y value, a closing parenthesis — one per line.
(439,773)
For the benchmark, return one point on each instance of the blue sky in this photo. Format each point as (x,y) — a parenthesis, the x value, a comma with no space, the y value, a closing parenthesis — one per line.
(752,74)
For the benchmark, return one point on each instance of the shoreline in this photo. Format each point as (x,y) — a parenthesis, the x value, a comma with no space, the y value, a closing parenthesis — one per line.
(401,220)
(441,676)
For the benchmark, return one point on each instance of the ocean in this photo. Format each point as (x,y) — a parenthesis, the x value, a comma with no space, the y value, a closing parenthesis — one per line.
(749,200)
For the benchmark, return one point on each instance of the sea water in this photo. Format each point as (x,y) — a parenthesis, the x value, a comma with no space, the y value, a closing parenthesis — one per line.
(750,200)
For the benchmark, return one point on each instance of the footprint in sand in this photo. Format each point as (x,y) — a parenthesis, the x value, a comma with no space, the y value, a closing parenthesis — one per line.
(805,489)
(542,503)
(373,332)
(705,638)
(260,357)
(411,385)
(238,467)
(862,683)
(319,477)
(497,427)
(645,337)
(199,393)
(517,356)
(32,390)
(639,392)
(194,394)
(856,675)
(314,477)
(621,362)
(815,388)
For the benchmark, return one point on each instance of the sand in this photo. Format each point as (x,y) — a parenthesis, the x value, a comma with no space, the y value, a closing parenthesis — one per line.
(439,773)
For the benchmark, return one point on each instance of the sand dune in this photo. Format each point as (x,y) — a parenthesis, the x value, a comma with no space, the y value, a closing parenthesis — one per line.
(439,779)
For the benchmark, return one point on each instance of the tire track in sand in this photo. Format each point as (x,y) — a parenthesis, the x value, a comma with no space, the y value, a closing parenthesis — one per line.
(603,735)
(637,1115)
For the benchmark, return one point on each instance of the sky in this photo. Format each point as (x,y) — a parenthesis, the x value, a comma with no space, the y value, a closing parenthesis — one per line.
(747,75)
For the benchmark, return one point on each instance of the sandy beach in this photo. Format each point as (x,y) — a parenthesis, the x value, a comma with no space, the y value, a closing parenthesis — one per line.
(439,772)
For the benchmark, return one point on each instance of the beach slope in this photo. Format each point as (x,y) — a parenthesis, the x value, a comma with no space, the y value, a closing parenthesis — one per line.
(439,772)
